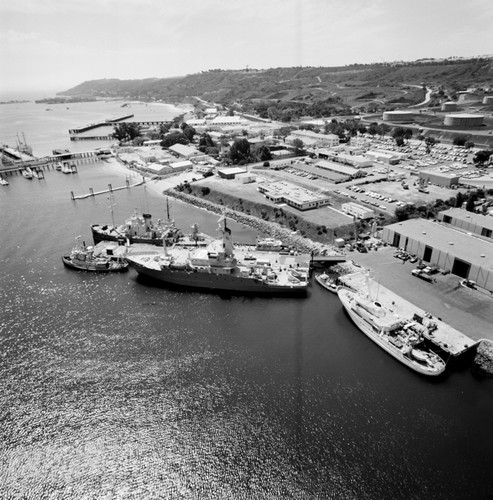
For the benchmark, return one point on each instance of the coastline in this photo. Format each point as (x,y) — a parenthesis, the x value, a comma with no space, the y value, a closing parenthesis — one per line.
(482,365)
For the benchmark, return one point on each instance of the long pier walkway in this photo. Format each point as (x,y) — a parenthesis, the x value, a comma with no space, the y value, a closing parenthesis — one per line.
(104,191)
(51,161)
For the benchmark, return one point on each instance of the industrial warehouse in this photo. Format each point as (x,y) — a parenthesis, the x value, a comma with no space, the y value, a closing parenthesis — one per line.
(452,250)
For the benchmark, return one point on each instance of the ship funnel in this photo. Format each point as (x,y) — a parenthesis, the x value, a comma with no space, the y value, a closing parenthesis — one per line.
(148,222)
(226,232)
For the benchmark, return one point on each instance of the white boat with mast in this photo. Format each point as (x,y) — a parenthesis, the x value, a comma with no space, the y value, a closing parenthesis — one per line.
(401,338)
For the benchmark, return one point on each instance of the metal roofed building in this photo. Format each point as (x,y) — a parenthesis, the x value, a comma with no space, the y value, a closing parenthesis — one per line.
(294,196)
(336,167)
(471,222)
(462,254)
(230,172)
(444,179)
(185,151)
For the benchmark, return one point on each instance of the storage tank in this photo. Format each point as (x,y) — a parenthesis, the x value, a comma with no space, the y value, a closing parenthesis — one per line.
(463,120)
(449,106)
(398,116)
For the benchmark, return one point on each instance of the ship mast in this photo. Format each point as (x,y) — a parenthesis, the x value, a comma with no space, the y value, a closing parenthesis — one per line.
(111,209)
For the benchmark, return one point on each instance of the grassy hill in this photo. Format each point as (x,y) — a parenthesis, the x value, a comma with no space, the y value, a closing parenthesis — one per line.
(357,86)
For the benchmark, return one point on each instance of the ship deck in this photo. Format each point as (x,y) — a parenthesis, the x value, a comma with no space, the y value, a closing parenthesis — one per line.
(447,338)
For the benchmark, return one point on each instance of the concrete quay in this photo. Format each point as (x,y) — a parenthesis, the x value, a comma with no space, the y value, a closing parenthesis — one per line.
(444,336)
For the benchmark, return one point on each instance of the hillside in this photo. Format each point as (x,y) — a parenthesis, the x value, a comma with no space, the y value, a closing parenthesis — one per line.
(349,86)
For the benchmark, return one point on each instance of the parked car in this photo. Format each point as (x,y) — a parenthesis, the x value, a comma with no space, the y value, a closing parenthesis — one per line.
(468,283)
(419,273)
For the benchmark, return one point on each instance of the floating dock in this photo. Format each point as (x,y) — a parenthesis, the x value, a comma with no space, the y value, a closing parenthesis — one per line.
(443,336)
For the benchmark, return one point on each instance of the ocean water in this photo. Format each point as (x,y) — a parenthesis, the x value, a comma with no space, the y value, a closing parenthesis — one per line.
(113,388)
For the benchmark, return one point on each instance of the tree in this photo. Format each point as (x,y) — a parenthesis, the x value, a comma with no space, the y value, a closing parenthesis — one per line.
(408,134)
(383,128)
(460,140)
(298,146)
(399,141)
(262,153)
(398,132)
(429,141)
(188,131)
(481,157)
(373,128)
(470,202)
(212,151)
(164,129)
(173,138)
(240,151)
(469,145)
(459,200)
(205,142)
(124,132)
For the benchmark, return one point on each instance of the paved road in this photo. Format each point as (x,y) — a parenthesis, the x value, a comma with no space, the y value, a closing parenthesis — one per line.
(469,311)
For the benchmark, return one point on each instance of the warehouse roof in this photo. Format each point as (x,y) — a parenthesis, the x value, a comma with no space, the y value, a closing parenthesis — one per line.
(466,246)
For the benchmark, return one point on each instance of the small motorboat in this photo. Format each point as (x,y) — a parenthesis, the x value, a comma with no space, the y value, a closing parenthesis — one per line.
(327,282)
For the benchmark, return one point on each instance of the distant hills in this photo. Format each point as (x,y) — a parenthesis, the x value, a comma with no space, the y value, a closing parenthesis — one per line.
(355,86)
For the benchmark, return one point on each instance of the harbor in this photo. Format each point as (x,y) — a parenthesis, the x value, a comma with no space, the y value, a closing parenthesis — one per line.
(446,338)
(229,396)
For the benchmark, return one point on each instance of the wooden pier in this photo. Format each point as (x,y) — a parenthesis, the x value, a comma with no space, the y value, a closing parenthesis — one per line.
(110,189)
(51,161)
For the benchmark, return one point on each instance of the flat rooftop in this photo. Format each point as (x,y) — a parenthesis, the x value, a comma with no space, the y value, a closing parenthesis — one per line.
(282,188)
(469,217)
(469,247)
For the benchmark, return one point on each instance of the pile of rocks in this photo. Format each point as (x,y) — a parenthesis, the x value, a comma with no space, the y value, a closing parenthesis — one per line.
(483,361)
(273,229)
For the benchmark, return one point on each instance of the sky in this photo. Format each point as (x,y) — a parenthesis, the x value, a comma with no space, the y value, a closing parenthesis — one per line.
(48,46)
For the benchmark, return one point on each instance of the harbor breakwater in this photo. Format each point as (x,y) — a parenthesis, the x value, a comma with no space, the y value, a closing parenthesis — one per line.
(273,229)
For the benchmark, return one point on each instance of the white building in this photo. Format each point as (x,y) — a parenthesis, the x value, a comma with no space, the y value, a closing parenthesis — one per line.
(292,195)
(185,151)
(358,211)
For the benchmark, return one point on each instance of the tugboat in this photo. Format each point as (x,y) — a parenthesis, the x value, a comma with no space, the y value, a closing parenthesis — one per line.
(82,258)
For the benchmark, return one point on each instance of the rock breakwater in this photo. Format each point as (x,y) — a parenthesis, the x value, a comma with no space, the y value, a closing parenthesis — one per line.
(483,361)
(273,229)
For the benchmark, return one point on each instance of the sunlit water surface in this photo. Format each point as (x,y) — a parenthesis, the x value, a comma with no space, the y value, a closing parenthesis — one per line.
(114,388)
